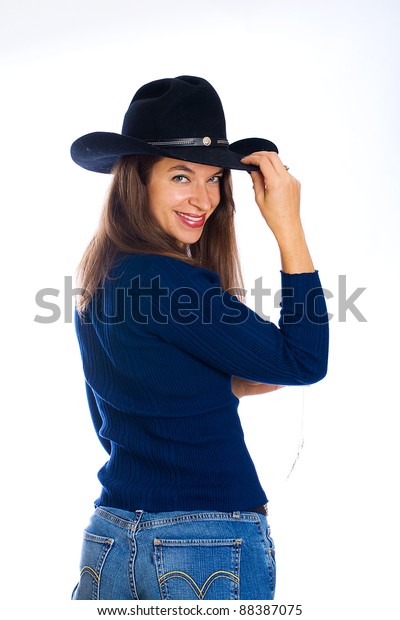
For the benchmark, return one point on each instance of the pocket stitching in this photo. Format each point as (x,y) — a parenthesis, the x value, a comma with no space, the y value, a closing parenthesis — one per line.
(200,592)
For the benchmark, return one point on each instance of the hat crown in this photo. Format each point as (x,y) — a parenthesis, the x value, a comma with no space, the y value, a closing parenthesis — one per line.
(173,108)
(179,117)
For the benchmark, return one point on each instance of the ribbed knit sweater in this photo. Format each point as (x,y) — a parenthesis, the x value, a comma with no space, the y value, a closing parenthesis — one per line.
(160,344)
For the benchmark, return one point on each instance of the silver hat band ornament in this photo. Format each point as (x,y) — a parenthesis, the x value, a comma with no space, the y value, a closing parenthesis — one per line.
(206,141)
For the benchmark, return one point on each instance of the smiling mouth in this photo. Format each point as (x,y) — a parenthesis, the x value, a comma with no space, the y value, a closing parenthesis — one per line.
(191,220)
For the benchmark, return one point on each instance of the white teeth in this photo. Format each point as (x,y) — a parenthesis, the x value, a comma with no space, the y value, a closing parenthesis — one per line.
(192,218)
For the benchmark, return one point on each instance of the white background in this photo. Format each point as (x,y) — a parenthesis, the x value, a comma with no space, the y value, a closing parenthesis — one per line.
(321,80)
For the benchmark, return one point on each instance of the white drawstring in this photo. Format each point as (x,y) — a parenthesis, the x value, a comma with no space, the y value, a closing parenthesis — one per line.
(301,435)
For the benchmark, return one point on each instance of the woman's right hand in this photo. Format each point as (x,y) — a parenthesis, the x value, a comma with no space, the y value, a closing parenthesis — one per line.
(242,387)
(277,194)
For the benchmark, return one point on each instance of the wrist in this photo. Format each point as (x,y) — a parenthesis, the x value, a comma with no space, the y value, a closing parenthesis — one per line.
(295,255)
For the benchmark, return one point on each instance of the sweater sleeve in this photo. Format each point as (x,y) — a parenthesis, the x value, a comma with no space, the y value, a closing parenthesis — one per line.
(185,306)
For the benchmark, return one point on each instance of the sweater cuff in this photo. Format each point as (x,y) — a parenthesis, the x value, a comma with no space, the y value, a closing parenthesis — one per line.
(302,298)
(300,283)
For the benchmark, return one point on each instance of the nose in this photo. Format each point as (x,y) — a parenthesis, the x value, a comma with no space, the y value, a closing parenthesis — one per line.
(201,197)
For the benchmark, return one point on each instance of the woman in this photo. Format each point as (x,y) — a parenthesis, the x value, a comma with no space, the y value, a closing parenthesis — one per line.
(167,349)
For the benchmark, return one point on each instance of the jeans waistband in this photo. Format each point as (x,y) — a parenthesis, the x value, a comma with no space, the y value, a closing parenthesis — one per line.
(125,518)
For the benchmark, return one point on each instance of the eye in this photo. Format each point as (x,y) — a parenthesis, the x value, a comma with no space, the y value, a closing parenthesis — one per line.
(180,178)
(215,179)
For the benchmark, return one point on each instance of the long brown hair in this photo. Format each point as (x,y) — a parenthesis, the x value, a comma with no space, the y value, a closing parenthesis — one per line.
(128,226)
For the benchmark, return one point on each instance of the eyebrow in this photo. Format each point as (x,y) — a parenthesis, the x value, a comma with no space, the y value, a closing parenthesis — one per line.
(187,169)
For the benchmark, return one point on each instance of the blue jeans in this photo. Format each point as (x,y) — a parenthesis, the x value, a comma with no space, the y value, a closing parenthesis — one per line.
(200,555)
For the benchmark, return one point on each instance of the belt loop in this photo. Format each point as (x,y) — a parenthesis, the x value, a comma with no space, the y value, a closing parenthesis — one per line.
(135,522)
(132,535)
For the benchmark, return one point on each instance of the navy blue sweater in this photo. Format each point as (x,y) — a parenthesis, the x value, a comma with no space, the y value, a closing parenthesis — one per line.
(160,344)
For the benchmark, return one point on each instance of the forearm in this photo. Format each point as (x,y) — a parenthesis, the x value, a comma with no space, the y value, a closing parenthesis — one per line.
(295,255)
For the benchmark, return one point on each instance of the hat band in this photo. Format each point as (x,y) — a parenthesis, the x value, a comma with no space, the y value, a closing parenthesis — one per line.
(206,141)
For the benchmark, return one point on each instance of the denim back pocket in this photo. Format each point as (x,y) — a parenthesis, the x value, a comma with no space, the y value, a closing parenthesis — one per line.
(198,569)
(94,553)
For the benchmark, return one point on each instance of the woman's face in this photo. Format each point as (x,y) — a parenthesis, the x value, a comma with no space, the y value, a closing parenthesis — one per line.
(182,196)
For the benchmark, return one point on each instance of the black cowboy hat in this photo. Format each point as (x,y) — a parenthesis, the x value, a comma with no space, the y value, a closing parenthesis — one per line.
(178,117)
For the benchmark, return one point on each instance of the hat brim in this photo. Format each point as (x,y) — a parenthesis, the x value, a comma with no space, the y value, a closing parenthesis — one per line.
(99,151)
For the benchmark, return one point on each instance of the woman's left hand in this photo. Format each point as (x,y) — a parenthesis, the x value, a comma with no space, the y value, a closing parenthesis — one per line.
(242,387)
